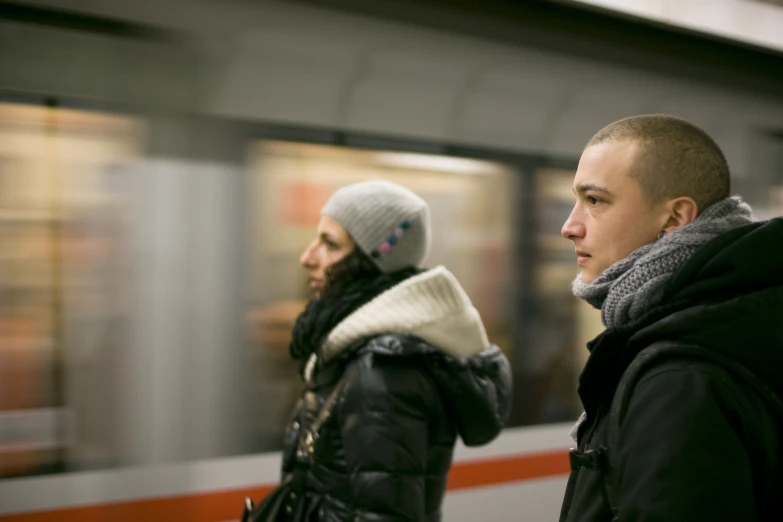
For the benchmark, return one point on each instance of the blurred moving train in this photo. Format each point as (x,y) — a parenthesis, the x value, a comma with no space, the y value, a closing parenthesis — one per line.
(157,187)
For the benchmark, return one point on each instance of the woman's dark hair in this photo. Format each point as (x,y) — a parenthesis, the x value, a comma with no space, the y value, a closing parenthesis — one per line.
(350,283)
(356,265)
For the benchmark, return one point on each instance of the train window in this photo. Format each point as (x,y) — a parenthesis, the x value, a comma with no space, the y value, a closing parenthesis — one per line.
(561,324)
(776,200)
(57,305)
(473,222)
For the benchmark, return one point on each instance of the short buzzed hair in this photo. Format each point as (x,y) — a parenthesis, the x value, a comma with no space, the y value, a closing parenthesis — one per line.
(675,158)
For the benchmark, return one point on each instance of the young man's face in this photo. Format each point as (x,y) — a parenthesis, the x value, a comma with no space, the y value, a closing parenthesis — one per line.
(611,217)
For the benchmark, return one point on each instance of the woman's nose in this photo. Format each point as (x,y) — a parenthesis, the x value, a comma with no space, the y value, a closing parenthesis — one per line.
(307,257)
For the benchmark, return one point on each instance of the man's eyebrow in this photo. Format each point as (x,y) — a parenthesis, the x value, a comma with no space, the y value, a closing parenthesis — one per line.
(581,189)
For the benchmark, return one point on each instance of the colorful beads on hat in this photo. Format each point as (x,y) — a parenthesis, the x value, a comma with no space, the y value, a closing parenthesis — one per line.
(392,240)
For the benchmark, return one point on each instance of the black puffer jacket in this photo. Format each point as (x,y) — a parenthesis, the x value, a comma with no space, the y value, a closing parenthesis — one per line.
(417,372)
(694,444)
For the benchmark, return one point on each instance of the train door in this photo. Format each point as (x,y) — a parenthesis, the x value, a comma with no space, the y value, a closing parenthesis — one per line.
(60,304)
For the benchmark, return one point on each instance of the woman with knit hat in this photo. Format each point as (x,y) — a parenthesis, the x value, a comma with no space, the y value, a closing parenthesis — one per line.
(396,365)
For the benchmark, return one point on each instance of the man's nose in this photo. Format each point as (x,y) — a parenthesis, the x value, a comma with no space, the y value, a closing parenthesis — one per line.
(572,228)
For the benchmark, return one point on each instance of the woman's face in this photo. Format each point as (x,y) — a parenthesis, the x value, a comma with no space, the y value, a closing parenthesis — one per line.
(331,244)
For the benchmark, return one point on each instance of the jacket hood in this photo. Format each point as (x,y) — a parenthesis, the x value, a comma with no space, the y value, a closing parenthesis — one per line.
(729,297)
(431,306)
(476,389)
(431,315)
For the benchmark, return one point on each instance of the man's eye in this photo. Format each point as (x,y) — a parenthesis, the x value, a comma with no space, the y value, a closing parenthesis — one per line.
(593,200)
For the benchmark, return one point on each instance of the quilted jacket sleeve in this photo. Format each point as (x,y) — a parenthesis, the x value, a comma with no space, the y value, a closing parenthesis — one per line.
(383,422)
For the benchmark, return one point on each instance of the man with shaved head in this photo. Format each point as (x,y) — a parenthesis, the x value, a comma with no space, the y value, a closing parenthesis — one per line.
(683,419)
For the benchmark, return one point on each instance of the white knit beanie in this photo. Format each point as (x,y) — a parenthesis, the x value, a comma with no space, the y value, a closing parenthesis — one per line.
(388,222)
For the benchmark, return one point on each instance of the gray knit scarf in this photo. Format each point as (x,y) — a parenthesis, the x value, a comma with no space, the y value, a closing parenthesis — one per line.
(632,286)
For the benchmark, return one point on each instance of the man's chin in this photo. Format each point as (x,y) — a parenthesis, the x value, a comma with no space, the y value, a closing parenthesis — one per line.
(586,277)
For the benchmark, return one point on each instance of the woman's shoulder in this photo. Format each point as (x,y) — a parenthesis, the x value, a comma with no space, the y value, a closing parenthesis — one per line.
(400,345)
(391,362)
(378,384)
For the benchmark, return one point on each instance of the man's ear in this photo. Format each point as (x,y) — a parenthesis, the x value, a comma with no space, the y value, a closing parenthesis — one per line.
(682,211)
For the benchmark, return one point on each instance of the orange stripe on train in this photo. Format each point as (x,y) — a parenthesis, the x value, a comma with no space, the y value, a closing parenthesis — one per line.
(227,505)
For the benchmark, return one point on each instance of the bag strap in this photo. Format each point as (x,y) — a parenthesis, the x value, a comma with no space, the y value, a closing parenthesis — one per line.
(306,445)
(652,355)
